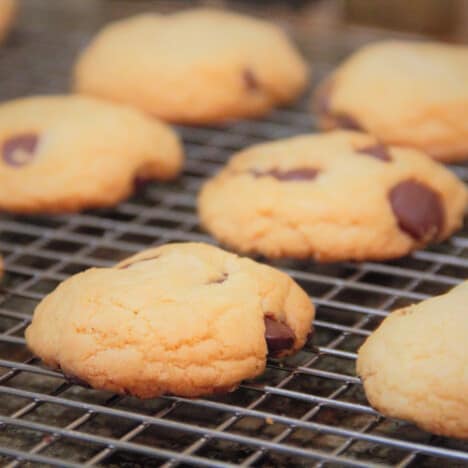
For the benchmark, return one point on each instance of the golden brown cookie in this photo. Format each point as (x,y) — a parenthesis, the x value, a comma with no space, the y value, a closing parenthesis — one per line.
(415,365)
(196,66)
(68,153)
(335,196)
(185,319)
(406,93)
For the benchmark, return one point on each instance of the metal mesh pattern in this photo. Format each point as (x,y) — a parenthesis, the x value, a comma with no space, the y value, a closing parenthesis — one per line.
(309,409)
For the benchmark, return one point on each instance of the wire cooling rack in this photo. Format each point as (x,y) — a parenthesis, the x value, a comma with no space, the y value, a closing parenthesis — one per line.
(309,410)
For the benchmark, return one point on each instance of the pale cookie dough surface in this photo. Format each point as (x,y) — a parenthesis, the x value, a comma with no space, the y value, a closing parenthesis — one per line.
(406,93)
(67,153)
(334,196)
(7,13)
(185,319)
(196,66)
(415,365)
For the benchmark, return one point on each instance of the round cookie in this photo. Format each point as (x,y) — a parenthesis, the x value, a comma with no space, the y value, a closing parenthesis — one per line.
(414,366)
(184,319)
(405,93)
(67,153)
(334,196)
(197,66)
(7,13)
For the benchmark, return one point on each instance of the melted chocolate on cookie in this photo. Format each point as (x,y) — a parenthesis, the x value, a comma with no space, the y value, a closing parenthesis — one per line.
(418,209)
(279,337)
(220,280)
(19,149)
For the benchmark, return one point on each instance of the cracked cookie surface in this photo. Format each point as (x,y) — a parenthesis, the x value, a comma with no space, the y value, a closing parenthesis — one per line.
(196,66)
(415,365)
(341,195)
(184,319)
(67,153)
(405,93)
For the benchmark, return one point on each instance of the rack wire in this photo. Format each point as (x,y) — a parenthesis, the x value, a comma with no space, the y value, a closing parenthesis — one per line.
(309,410)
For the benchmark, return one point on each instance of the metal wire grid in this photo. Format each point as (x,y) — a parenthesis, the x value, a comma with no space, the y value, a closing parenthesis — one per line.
(308,410)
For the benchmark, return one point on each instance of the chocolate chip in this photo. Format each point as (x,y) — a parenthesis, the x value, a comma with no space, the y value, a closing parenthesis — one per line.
(303,173)
(418,209)
(128,265)
(250,80)
(279,337)
(220,280)
(377,151)
(19,150)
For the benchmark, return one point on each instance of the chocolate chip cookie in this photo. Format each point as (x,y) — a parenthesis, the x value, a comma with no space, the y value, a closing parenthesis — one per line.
(340,195)
(405,93)
(196,66)
(67,153)
(7,13)
(414,366)
(184,319)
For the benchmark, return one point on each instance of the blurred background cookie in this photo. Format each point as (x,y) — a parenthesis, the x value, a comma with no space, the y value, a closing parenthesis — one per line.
(196,66)
(405,93)
(67,153)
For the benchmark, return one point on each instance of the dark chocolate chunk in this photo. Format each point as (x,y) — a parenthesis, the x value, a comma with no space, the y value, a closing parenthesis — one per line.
(128,265)
(418,209)
(250,80)
(279,337)
(19,150)
(303,173)
(377,151)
